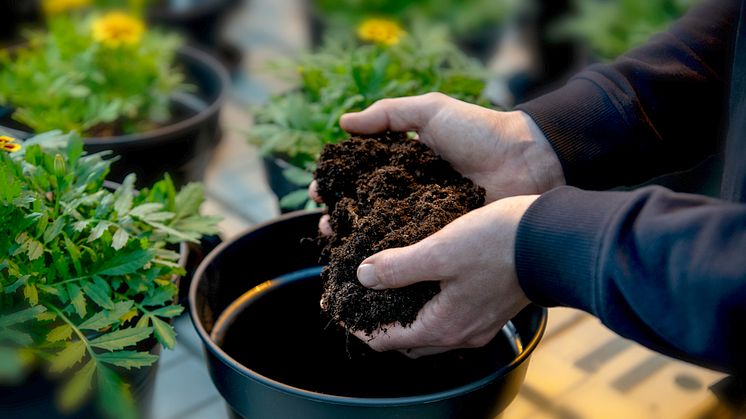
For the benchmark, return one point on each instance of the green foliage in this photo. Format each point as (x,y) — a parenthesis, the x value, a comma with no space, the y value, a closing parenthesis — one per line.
(85,270)
(611,27)
(462,17)
(346,75)
(64,79)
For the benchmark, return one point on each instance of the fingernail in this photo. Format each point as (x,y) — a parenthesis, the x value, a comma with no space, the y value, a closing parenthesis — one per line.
(366,274)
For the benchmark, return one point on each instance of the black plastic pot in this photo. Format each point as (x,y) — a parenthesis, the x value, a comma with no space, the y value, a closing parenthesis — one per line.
(182,148)
(34,398)
(200,20)
(14,16)
(272,354)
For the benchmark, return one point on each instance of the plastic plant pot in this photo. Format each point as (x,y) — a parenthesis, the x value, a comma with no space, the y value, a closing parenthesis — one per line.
(271,353)
(181,148)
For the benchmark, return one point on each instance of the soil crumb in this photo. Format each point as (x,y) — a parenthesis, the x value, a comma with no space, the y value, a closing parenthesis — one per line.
(383,191)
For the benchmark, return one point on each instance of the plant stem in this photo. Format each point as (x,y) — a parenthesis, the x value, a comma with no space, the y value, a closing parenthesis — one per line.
(77,331)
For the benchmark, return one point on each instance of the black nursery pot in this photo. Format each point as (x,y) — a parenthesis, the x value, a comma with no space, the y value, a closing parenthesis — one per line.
(201,20)
(181,148)
(272,354)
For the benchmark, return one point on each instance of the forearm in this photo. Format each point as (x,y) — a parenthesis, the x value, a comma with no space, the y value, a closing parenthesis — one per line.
(656,109)
(667,270)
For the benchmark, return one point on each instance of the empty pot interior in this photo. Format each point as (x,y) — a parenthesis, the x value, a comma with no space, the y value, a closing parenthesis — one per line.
(280,332)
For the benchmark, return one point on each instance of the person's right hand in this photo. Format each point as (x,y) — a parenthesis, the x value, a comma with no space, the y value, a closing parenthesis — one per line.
(504,152)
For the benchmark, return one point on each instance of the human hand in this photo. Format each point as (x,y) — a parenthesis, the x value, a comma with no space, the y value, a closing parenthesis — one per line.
(503,152)
(473,258)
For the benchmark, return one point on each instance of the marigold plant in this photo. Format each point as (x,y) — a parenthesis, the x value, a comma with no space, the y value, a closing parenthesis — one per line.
(87,271)
(99,75)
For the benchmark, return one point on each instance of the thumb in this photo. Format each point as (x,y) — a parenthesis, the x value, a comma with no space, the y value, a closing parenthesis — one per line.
(401,114)
(399,267)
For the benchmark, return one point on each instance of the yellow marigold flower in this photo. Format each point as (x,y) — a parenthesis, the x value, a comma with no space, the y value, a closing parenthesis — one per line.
(380,31)
(54,7)
(116,29)
(9,144)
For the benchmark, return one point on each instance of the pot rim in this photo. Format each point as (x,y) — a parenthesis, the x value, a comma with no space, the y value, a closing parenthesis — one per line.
(528,347)
(189,52)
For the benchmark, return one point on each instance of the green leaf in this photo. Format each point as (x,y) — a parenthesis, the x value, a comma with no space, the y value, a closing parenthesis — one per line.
(297,176)
(74,392)
(35,249)
(124,195)
(164,332)
(77,298)
(69,356)
(120,339)
(60,333)
(106,318)
(169,311)
(21,316)
(31,294)
(125,263)
(143,210)
(54,230)
(188,200)
(128,359)
(114,395)
(160,297)
(294,199)
(11,366)
(100,292)
(120,239)
(98,231)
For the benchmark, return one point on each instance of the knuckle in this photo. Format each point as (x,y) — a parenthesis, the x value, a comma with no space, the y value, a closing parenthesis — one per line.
(435,96)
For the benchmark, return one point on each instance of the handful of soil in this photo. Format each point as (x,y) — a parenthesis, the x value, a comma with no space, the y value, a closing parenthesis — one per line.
(382,192)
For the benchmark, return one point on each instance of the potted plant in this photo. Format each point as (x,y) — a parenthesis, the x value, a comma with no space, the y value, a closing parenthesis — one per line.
(87,279)
(125,88)
(610,28)
(473,24)
(271,352)
(349,74)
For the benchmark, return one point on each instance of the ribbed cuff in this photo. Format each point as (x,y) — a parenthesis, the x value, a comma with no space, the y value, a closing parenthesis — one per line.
(558,244)
(587,131)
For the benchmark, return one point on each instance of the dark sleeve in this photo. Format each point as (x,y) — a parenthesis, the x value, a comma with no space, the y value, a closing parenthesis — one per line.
(664,269)
(658,108)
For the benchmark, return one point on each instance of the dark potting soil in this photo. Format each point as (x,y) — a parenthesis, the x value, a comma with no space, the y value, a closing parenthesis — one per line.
(283,336)
(382,192)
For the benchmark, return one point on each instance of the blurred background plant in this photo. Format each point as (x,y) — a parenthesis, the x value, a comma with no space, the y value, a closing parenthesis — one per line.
(348,74)
(87,272)
(611,27)
(461,17)
(99,74)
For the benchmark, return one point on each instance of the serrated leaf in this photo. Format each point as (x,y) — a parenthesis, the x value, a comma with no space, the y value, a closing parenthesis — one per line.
(21,316)
(46,316)
(99,292)
(35,249)
(189,199)
(69,356)
(143,322)
(164,332)
(125,263)
(81,225)
(98,231)
(31,294)
(54,230)
(17,284)
(143,210)
(106,318)
(74,391)
(59,333)
(169,311)
(114,395)
(120,239)
(124,196)
(128,359)
(159,297)
(77,299)
(120,339)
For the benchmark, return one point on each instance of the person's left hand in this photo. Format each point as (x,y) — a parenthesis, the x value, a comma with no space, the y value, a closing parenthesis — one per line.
(473,258)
